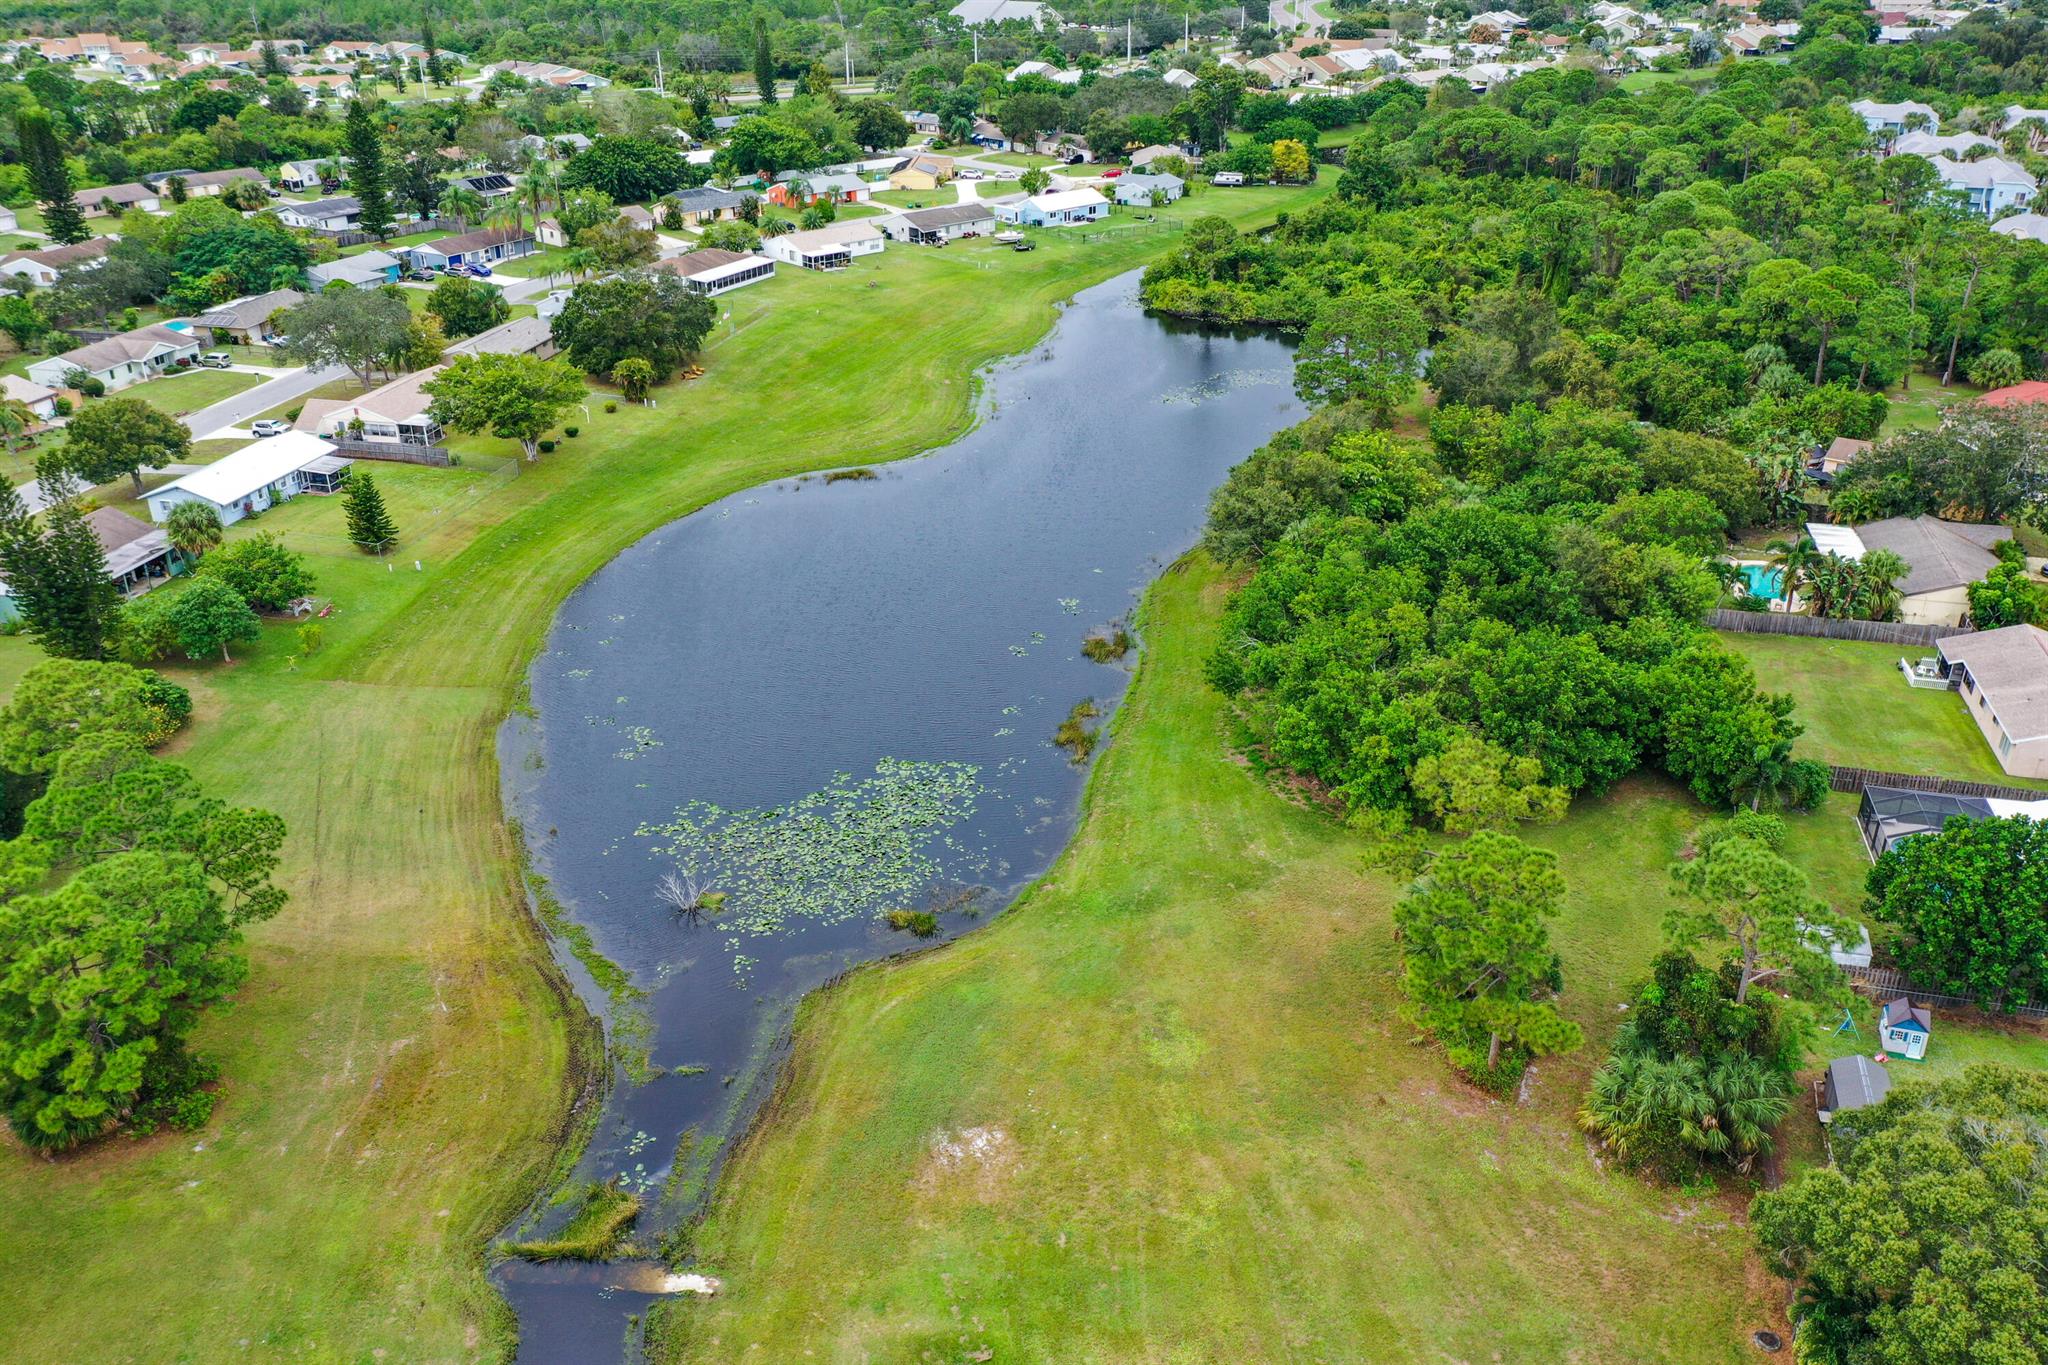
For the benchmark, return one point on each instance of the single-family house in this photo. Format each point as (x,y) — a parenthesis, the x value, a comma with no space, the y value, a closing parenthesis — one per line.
(2002,677)
(922,173)
(472,248)
(1055,208)
(320,89)
(1752,40)
(120,360)
(252,479)
(395,414)
(202,184)
(800,189)
(696,207)
(347,52)
(557,145)
(1501,21)
(42,268)
(832,247)
(1987,186)
(925,124)
(9,221)
(39,399)
(986,134)
(108,200)
(1148,191)
(940,225)
(1854,1082)
(338,214)
(549,73)
(490,186)
(977,13)
(530,335)
(1887,121)
(298,176)
(1145,156)
(1180,79)
(1904,1028)
(138,556)
(2026,391)
(246,321)
(364,271)
(1837,455)
(1942,559)
(711,271)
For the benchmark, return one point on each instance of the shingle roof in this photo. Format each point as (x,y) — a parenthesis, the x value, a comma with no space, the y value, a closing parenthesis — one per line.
(118,350)
(471,241)
(2010,666)
(945,215)
(247,312)
(1938,554)
(696,262)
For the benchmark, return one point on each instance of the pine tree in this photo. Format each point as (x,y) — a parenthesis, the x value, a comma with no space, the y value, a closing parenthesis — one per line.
(369,526)
(434,70)
(366,169)
(57,575)
(764,61)
(49,178)
(271,65)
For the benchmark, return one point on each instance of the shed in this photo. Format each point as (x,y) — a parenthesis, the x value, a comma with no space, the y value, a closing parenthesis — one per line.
(1905,1029)
(1852,1083)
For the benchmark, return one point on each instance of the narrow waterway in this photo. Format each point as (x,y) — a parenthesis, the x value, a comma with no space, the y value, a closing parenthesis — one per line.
(833,699)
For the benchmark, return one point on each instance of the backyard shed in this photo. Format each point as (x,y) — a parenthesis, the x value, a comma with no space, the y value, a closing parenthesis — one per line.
(1905,1028)
(1852,1083)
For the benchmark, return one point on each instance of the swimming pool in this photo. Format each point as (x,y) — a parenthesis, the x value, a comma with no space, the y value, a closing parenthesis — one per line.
(179,326)
(1763,581)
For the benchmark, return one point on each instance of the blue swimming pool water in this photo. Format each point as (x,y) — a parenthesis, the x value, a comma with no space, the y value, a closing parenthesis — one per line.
(179,326)
(1763,580)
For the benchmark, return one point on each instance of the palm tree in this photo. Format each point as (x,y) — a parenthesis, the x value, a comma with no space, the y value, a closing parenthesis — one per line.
(16,417)
(579,261)
(463,205)
(193,528)
(1791,558)
(537,191)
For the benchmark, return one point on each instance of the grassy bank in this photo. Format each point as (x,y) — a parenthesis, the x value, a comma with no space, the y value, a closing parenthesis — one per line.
(402,1062)
(1166,1110)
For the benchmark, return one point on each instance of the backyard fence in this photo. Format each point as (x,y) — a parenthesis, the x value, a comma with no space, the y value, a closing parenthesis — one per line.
(393,451)
(1871,632)
(1854,780)
(1890,982)
(355,237)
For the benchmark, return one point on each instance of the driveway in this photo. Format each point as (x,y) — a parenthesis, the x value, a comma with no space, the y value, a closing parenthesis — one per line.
(238,408)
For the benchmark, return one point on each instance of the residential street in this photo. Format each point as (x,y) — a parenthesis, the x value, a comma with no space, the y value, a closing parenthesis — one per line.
(230,412)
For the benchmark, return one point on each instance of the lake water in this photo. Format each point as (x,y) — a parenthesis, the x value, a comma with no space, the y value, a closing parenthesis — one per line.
(883,662)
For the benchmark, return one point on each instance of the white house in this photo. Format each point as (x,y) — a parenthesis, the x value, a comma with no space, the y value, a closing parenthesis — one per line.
(2002,677)
(1180,79)
(338,214)
(1904,1029)
(549,73)
(307,175)
(1887,121)
(712,272)
(975,13)
(940,225)
(121,360)
(1956,145)
(1055,208)
(42,268)
(366,270)
(1989,185)
(1144,191)
(251,480)
(529,335)
(831,247)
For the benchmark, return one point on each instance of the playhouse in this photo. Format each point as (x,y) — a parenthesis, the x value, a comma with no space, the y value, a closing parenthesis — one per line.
(1904,1029)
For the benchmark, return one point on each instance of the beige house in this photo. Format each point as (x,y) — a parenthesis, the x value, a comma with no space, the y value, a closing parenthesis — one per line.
(2002,676)
(922,173)
(1943,558)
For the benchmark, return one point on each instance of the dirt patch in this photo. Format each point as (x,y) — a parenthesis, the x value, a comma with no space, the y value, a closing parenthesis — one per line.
(977,1161)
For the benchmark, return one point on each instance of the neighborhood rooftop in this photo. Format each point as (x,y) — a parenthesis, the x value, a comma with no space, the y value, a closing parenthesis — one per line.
(2010,667)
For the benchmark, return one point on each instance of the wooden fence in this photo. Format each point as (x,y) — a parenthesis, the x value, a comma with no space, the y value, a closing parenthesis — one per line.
(1873,632)
(1854,780)
(1887,983)
(392,451)
(354,237)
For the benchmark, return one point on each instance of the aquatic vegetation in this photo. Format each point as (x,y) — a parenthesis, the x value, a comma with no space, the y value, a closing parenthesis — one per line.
(1107,646)
(922,923)
(592,1233)
(1075,735)
(851,475)
(836,853)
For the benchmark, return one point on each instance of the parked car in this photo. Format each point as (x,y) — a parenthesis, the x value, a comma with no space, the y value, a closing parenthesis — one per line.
(1112,173)
(216,360)
(270,426)
(967,173)
(480,271)
(1025,245)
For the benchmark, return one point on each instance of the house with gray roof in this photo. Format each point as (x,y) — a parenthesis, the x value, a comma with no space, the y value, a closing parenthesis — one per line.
(1852,1083)
(246,321)
(706,205)
(529,335)
(121,360)
(366,270)
(2002,677)
(1144,191)
(1943,558)
(337,214)
(940,225)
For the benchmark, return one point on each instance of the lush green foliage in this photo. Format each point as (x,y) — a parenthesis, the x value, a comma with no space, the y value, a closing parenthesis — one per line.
(116,436)
(466,306)
(652,316)
(1922,1242)
(519,397)
(1968,903)
(370,527)
(630,170)
(210,615)
(61,703)
(57,574)
(261,570)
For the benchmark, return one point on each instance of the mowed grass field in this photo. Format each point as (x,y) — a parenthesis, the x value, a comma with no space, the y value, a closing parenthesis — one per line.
(1165,1109)
(402,1065)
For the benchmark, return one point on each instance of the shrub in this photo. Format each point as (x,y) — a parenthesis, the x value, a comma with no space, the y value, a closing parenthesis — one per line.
(173,702)
(262,570)
(142,631)
(546,447)
(63,407)
(611,405)
(312,634)
(571,432)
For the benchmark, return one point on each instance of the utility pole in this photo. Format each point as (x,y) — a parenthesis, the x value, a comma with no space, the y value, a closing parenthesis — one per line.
(846,38)
(1127,37)
(660,80)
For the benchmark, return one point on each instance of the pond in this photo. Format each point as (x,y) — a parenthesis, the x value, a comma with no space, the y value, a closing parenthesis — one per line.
(831,698)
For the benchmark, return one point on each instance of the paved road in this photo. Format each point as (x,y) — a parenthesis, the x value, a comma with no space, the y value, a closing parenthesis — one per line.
(1287,14)
(239,408)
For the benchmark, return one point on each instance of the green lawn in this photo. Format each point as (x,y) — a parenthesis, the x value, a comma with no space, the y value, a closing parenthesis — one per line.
(1858,710)
(1922,404)
(402,1064)
(191,390)
(1025,159)
(1638,81)
(1202,1130)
